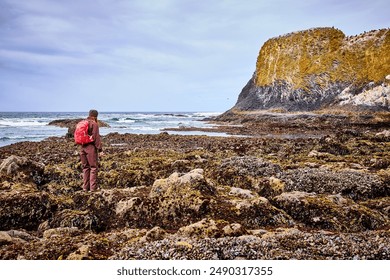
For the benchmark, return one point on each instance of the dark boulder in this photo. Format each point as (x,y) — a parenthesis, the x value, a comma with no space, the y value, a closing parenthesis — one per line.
(71,125)
(22,169)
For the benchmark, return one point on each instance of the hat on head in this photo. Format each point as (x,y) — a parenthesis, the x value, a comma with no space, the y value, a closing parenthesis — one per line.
(93,113)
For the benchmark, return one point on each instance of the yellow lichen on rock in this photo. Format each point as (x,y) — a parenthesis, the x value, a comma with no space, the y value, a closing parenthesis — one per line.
(324,55)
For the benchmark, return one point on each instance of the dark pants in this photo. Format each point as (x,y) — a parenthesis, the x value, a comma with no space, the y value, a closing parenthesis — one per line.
(89,161)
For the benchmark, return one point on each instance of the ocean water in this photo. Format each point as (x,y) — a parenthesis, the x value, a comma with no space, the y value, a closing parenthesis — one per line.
(33,126)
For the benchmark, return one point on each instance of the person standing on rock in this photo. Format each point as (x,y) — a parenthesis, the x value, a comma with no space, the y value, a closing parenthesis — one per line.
(90,152)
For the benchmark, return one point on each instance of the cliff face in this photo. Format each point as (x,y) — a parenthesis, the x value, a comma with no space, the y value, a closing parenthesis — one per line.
(320,68)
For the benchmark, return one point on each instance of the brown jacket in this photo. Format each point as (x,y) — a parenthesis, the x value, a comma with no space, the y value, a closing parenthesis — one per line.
(94,131)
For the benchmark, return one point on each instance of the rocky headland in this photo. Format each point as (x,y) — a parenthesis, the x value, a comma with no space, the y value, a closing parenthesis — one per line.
(308,177)
(318,69)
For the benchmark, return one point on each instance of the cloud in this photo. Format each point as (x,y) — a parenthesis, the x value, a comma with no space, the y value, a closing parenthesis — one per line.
(134,55)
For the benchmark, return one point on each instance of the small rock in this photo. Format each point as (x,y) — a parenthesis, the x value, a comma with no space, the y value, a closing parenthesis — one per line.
(55,232)
(385,133)
(154,234)
(318,154)
(184,244)
(81,253)
(21,235)
(124,205)
(5,238)
(257,232)
(234,229)
(276,184)
(202,229)
(241,193)
(193,179)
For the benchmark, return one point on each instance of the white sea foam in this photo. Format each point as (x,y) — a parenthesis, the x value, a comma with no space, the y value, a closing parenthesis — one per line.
(207,114)
(21,122)
(16,127)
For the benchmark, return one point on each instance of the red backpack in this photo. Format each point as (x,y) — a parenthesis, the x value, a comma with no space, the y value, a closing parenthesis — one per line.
(81,135)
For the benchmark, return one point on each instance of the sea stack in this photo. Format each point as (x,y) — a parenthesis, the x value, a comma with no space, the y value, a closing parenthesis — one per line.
(320,68)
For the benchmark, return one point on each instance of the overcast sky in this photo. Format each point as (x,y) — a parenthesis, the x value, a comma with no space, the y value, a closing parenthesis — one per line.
(144,55)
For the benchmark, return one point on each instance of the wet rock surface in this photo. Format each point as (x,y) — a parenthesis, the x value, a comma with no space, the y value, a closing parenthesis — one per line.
(197,197)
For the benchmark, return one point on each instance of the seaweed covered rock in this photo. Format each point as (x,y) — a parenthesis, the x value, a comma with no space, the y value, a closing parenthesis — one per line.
(61,231)
(82,253)
(380,204)
(176,182)
(24,209)
(351,184)
(69,218)
(279,244)
(256,213)
(172,202)
(22,169)
(197,197)
(330,212)
(244,172)
(105,209)
(209,228)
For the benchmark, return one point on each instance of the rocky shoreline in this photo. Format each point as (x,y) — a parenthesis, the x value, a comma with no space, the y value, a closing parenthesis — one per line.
(300,186)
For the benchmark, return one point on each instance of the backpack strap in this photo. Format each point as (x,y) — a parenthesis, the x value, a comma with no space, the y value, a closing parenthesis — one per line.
(89,128)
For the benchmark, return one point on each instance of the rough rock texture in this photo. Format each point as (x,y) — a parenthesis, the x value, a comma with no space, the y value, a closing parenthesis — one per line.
(320,68)
(196,197)
(22,169)
(281,244)
(352,184)
(19,209)
(330,212)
